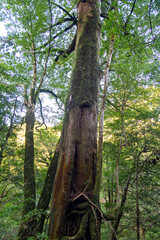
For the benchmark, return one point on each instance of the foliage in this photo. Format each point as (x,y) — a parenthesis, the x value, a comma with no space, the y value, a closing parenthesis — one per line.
(132,105)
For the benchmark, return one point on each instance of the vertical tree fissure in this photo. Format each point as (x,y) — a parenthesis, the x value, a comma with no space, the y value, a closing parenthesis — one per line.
(71,213)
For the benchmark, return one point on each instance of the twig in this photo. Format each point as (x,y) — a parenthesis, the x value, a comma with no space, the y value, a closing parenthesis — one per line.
(53,94)
(43,122)
(95,220)
(9,131)
(46,62)
(64,10)
(85,196)
(54,37)
(11,123)
(149,15)
(61,21)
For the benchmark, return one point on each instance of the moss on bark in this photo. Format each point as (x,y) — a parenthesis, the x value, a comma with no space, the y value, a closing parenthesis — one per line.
(76,170)
(29,177)
(84,84)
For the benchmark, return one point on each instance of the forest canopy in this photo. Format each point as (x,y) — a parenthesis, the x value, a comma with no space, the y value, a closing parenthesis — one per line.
(80,120)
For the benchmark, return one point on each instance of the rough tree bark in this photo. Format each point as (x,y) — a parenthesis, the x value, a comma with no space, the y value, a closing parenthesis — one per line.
(27,222)
(73,211)
(29,174)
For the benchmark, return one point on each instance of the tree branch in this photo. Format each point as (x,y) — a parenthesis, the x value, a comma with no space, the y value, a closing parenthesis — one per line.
(53,94)
(48,91)
(149,15)
(65,30)
(32,90)
(120,210)
(70,49)
(125,25)
(64,10)
(61,21)
(105,217)
(8,133)
(112,104)
(46,62)
(43,122)
(11,123)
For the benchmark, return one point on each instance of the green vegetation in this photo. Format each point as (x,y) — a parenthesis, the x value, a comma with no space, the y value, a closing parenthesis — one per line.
(36,60)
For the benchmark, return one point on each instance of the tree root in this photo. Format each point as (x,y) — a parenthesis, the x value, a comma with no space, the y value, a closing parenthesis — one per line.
(104,216)
(82,230)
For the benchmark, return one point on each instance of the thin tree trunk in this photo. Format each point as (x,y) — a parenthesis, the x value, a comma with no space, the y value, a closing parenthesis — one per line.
(142,231)
(117,176)
(1,155)
(10,129)
(29,176)
(26,226)
(35,223)
(29,173)
(121,143)
(45,197)
(101,121)
(73,212)
(137,199)
(120,211)
(28,222)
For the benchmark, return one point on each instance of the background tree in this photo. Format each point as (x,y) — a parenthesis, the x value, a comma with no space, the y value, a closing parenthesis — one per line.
(131,119)
(29,39)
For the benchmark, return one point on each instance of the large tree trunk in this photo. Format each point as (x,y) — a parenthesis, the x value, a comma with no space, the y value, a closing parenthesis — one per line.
(29,175)
(73,212)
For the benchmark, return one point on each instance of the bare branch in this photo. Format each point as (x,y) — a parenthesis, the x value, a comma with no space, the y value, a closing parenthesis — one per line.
(8,133)
(103,216)
(112,104)
(53,94)
(43,122)
(64,10)
(125,25)
(102,110)
(11,123)
(149,15)
(61,21)
(46,62)
(70,49)
(48,91)
(12,180)
(65,30)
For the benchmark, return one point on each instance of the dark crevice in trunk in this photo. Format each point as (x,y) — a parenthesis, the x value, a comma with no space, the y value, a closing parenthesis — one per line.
(73,191)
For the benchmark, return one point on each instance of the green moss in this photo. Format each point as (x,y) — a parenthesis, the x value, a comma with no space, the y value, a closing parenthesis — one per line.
(85,73)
